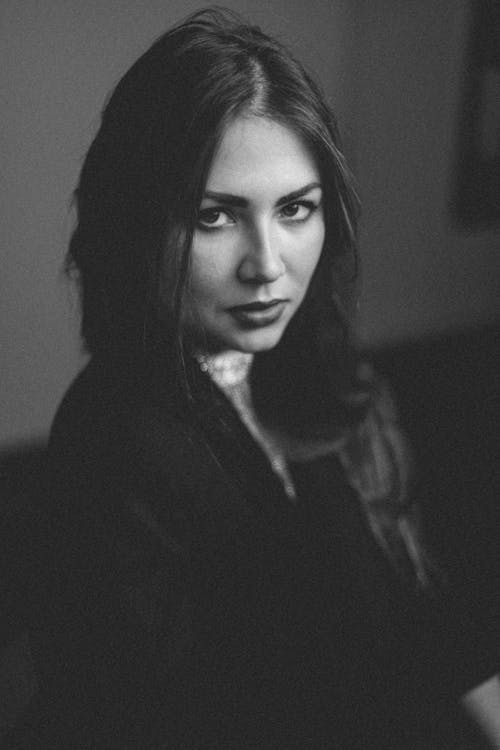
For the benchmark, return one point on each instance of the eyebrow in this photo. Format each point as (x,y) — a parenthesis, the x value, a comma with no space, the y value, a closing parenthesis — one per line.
(239,202)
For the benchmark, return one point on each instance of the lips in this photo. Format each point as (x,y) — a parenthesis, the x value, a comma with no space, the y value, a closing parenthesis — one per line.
(258,314)
(256,306)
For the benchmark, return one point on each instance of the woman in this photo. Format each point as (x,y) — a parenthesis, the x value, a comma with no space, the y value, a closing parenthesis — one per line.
(228,542)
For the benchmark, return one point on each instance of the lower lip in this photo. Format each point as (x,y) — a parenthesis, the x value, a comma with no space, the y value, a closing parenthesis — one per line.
(259,318)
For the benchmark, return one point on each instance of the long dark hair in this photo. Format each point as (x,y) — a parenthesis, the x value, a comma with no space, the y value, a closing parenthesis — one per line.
(137,203)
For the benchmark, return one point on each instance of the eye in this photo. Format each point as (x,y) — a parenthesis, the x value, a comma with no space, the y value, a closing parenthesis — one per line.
(299,211)
(213,218)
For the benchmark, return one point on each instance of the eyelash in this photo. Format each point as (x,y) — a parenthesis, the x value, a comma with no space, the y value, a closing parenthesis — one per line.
(309,205)
(206,212)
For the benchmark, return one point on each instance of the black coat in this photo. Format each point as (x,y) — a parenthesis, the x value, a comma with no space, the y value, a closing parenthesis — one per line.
(183,601)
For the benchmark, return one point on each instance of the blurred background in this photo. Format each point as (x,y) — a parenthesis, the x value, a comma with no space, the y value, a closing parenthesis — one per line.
(415,86)
(396,75)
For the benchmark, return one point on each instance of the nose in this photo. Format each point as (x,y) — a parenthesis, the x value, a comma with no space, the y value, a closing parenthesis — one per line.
(262,262)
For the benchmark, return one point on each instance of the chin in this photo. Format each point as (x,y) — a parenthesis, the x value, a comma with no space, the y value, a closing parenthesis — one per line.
(259,340)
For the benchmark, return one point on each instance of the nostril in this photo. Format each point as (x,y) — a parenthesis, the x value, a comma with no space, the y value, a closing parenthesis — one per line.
(261,267)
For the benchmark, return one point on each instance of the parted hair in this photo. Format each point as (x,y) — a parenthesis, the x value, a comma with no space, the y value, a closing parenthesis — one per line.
(137,203)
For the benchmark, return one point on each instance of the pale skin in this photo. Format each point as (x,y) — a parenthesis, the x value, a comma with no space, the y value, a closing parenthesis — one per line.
(482,703)
(259,237)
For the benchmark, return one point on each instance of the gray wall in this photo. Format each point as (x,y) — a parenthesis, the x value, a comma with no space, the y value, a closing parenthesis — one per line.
(392,72)
(423,274)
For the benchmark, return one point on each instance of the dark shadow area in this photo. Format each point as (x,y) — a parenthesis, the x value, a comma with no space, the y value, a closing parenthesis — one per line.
(20,470)
(476,201)
(448,394)
(448,391)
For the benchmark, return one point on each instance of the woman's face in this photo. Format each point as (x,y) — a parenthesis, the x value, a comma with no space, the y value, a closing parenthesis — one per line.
(258,239)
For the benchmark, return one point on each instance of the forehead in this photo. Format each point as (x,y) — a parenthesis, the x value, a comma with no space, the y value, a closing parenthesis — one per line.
(257,155)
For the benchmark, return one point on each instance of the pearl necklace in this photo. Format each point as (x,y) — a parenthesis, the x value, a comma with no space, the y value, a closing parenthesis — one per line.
(226,369)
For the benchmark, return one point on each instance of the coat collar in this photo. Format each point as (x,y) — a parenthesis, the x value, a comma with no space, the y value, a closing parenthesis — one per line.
(194,438)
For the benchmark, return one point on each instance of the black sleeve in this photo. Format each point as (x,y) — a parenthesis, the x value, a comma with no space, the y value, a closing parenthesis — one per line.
(464,655)
(109,600)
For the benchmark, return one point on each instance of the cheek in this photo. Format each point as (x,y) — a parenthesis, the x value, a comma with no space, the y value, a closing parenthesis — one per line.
(309,254)
(209,275)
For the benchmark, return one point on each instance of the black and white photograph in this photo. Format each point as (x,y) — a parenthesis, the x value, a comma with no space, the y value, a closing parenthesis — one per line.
(249,389)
